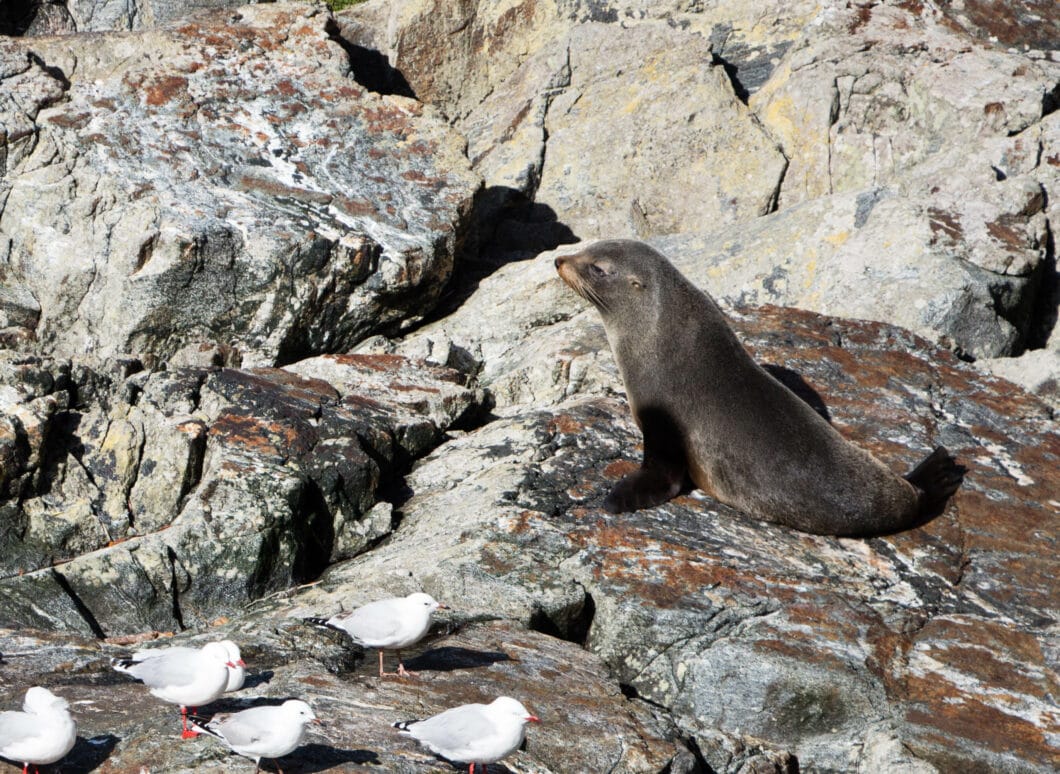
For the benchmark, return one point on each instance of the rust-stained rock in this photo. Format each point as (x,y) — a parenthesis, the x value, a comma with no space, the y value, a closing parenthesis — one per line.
(189,492)
(587,724)
(220,181)
(831,649)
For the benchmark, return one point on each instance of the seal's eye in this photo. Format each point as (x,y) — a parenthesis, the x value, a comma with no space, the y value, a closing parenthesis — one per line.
(596,270)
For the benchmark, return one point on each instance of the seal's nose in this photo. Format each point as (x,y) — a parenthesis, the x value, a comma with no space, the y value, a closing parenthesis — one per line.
(561,260)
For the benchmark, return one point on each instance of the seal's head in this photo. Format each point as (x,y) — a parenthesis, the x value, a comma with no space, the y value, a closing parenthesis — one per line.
(617,276)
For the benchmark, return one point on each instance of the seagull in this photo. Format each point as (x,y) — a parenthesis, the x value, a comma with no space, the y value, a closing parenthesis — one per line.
(236,673)
(42,733)
(473,733)
(387,624)
(190,678)
(262,732)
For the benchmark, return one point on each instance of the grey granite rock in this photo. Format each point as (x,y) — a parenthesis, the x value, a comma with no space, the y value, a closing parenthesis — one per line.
(187,171)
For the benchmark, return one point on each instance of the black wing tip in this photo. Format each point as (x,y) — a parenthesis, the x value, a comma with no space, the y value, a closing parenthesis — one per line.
(403,725)
(200,726)
(323,622)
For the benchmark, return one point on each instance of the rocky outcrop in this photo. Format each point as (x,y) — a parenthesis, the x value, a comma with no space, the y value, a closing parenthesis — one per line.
(191,175)
(267,352)
(838,651)
(165,499)
(129,729)
(904,164)
(32,18)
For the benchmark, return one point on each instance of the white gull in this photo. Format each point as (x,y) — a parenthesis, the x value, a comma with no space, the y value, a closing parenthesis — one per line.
(42,733)
(189,679)
(236,671)
(262,732)
(473,733)
(387,624)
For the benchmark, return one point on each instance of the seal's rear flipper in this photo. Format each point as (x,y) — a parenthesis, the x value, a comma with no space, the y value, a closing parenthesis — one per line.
(937,477)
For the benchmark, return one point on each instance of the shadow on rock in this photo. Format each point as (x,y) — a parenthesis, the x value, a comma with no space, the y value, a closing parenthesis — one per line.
(235,704)
(505,226)
(320,757)
(803,391)
(448,659)
(258,679)
(88,754)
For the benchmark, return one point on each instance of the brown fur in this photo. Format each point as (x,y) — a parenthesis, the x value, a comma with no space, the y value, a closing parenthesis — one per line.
(709,411)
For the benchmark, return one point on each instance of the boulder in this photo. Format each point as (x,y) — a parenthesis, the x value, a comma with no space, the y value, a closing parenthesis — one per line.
(189,492)
(456,54)
(229,182)
(130,729)
(871,91)
(635,120)
(929,649)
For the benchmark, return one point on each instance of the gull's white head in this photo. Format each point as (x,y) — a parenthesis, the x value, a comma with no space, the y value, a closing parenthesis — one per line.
(300,710)
(219,652)
(420,598)
(40,700)
(234,656)
(506,706)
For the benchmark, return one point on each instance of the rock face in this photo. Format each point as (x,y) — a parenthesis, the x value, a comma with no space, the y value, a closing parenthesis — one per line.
(199,185)
(269,350)
(474,664)
(165,499)
(888,147)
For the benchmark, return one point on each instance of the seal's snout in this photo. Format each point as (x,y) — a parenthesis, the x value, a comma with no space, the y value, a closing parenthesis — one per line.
(560,261)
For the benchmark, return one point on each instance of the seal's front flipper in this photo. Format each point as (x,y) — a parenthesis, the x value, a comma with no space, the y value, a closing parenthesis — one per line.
(643,489)
(662,474)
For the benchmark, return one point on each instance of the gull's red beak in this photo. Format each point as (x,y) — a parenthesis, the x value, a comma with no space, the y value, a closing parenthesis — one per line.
(533,719)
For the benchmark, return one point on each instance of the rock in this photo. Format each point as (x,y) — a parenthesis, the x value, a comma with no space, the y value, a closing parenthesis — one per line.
(1036,371)
(874,90)
(882,254)
(193,491)
(476,663)
(455,55)
(612,167)
(104,15)
(234,214)
(919,157)
(1009,23)
(818,647)
(528,337)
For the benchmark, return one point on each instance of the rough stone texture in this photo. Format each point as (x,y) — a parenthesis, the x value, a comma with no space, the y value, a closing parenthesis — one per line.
(228,182)
(241,191)
(615,168)
(32,18)
(129,728)
(873,90)
(884,255)
(921,184)
(487,40)
(189,492)
(942,637)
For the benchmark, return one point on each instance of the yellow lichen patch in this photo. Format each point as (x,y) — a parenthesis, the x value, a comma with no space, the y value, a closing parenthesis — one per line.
(838,238)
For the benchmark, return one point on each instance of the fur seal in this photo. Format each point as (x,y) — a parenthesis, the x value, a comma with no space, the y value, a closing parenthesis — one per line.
(709,411)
